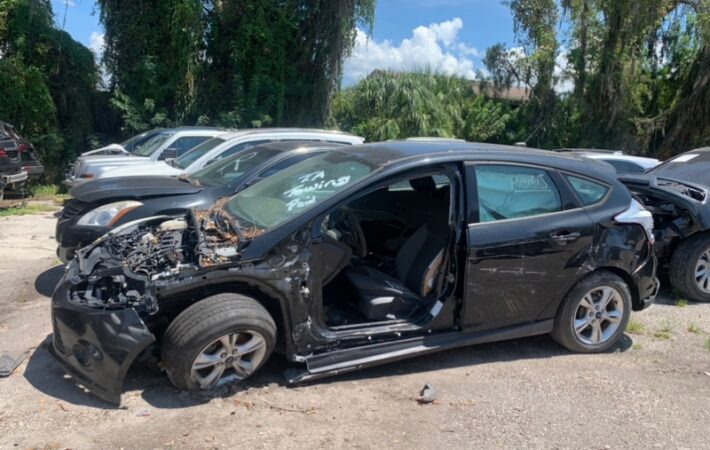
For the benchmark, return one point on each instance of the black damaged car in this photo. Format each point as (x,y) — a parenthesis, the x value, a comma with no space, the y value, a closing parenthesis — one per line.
(677,192)
(361,256)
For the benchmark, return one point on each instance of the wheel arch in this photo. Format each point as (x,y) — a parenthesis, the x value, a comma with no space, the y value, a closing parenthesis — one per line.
(264,294)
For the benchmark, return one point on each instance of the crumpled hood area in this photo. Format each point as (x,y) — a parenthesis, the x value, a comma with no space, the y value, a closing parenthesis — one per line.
(120,268)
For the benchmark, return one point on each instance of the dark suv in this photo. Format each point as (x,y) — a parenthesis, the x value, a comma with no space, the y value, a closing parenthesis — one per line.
(678,194)
(359,256)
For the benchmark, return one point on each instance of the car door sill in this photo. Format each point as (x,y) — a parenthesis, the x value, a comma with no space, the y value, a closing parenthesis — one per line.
(347,360)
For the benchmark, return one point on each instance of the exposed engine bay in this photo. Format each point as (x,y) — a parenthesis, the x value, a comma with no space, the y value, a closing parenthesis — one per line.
(672,222)
(118,270)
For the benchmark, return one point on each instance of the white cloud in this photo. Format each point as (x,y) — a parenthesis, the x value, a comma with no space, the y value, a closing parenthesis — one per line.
(563,79)
(69,3)
(435,47)
(97,43)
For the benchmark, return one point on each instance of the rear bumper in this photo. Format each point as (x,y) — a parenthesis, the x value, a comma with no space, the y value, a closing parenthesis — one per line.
(96,347)
(14,178)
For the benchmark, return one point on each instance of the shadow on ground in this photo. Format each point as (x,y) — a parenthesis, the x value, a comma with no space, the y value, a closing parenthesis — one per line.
(48,280)
(47,376)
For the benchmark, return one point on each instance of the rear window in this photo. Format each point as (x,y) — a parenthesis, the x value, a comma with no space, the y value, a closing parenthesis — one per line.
(589,192)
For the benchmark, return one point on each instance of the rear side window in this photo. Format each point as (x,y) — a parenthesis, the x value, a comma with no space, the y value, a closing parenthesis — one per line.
(512,192)
(589,192)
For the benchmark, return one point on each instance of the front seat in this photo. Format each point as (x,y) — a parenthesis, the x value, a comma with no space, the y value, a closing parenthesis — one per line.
(418,263)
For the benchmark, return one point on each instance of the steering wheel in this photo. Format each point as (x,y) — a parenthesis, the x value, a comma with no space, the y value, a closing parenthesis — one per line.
(349,225)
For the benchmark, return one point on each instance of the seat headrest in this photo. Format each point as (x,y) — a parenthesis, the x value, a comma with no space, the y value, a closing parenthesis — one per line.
(423,185)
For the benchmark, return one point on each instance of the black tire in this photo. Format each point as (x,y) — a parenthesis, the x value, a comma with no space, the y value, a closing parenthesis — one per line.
(564,331)
(683,263)
(206,321)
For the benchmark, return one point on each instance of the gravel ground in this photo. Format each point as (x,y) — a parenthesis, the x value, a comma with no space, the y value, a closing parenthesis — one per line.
(651,392)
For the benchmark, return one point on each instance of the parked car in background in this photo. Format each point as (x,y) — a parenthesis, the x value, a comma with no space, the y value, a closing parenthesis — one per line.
(12,176)
(99,206)
(620,161)
(359,256)
(169,143)
(223,146)
(126,147)
(677,192)
(18,161)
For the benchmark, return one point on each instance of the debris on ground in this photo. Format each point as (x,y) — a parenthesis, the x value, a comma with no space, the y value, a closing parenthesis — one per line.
(428,394)
(10,361)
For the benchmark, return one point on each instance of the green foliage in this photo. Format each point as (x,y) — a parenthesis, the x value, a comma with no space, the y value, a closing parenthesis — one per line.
(47,82)
(392,106)
(237,63)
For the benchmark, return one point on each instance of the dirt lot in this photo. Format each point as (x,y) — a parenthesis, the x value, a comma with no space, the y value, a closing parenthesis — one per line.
(652,392)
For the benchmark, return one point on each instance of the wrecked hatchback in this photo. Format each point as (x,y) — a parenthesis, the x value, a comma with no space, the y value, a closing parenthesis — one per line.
(357,257)
(677,192)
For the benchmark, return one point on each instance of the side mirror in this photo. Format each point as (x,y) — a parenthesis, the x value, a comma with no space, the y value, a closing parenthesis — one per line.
(168,153)
(171,162)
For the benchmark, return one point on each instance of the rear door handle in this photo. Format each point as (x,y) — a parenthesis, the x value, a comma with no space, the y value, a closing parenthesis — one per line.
(563,237)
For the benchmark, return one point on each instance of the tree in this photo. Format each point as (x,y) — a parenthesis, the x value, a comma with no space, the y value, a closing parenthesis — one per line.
(389,105)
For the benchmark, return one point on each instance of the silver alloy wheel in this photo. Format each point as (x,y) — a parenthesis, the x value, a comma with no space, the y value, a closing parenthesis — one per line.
(702,272)
(598,315)
(231,357)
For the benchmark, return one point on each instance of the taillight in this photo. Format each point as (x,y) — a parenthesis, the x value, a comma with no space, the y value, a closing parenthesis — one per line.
(3,154)
(636,213)
(22,148)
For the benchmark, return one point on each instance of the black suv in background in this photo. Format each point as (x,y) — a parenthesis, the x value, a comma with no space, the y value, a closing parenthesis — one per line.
(20,150)
(677,192)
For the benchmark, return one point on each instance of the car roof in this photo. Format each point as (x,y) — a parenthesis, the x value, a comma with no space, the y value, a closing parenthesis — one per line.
(392,153)
(287,146)
(233,134)
(615,157)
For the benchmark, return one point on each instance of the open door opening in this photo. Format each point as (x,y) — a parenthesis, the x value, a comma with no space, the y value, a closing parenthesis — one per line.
(392,246)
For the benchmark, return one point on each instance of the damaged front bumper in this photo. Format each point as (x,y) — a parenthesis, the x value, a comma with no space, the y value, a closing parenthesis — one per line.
(96,346)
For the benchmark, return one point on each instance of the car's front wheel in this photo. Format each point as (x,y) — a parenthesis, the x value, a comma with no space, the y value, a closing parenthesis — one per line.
(593,316)
(690,267)
(219,340)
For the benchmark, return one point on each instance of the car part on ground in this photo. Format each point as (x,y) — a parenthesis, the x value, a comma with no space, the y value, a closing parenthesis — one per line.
(99,205)
(676,193)
(466,243)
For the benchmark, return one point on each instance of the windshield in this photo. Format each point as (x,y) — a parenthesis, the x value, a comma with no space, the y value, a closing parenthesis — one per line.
(198,152)
(224,172)
(137,141)
(297,189)
(152,144)
(692,167)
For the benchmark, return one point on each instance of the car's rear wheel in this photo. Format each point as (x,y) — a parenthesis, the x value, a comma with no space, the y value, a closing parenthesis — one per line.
(593,316)
(690,268)
(220,340)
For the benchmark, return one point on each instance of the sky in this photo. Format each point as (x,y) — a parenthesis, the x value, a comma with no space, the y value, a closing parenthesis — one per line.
(449,36)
